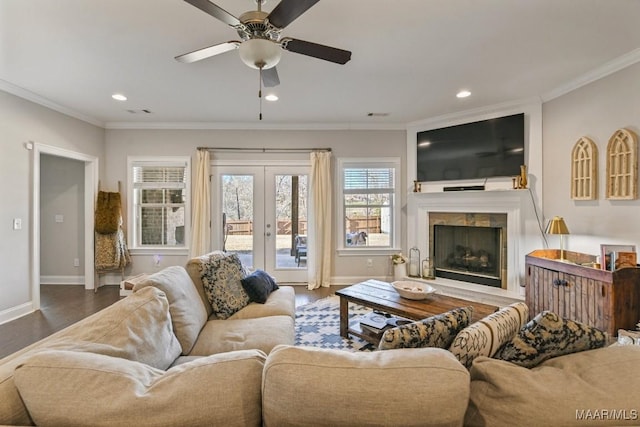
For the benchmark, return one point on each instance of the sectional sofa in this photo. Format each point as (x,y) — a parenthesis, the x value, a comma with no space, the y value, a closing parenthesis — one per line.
(160,357)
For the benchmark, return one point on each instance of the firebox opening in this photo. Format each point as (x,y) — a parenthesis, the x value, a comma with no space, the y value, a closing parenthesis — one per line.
(468,253)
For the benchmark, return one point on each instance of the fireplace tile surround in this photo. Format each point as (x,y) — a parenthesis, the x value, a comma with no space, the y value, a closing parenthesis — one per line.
(510,209)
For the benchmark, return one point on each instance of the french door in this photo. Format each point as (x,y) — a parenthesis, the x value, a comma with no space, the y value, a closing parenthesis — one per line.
(260,213)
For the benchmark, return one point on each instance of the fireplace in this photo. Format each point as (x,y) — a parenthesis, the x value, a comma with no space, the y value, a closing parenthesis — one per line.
(469,247)
(468,253)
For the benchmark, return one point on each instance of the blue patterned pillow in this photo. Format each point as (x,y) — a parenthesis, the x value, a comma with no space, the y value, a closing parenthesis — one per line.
(548,335)
(258,285)
(221,281)
(436,331)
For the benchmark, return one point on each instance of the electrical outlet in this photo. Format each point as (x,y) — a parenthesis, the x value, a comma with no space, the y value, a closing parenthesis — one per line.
(76,262)
(156,260)
(369,262)
(17,224)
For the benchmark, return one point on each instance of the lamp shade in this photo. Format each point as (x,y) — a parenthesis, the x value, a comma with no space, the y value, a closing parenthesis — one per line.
(260,53)
(557,226)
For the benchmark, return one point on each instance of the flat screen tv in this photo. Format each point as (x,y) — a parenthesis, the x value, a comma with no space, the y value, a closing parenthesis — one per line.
(478,150)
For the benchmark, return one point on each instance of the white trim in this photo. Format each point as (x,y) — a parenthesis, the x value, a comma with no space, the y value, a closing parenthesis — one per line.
(62,280)
(253,126)
(598,73)
(15,312)
(90,189)
(33,97)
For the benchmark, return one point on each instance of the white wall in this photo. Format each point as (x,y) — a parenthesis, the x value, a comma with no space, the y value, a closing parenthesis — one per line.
(61,220)
(344,143)
(596,111)
(22,121)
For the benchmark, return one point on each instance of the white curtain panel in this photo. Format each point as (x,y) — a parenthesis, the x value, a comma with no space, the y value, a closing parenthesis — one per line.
(319,233)
(200,231)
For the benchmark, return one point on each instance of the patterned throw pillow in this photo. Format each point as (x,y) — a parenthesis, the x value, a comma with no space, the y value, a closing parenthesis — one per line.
(221,280)
(258,285)
(548,336)
(435,331)
(628,337)
(486,336)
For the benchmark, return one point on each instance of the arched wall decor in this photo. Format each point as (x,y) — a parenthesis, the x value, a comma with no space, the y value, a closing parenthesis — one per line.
(584,170)
(622,166)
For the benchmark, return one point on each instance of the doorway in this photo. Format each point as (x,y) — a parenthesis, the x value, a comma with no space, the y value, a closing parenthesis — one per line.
(260,213)
(90,188)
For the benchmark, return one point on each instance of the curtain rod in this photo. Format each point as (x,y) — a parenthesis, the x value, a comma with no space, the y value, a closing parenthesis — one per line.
(264,150)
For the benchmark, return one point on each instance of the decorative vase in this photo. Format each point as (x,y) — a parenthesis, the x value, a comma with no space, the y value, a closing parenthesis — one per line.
(399,271)
(523,176)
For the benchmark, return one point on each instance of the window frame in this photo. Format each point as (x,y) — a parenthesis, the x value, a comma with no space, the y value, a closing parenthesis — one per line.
(356,162)
(135,248)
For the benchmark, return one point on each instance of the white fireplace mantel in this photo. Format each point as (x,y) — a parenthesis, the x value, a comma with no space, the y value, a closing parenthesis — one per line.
(515,204)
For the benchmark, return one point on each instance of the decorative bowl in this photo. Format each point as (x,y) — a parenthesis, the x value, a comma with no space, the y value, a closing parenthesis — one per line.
(412,290)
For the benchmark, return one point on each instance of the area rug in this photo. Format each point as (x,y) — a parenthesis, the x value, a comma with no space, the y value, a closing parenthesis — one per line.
(318,325)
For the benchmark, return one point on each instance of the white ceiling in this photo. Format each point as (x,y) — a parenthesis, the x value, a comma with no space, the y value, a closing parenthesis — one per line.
(410,57)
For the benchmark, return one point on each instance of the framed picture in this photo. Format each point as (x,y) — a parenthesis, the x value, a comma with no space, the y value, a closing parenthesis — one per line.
(613,257)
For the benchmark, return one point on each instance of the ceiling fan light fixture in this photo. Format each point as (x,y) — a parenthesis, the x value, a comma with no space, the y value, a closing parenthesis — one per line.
(260,53)
(271,97)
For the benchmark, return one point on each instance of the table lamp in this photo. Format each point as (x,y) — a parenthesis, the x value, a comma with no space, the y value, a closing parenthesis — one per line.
(558,226)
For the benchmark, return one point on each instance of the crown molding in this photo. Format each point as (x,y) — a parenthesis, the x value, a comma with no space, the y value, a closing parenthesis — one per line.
(251,126)
(604,70)
(37,99)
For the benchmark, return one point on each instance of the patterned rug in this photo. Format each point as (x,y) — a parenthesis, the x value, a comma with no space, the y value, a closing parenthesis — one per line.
(318,325)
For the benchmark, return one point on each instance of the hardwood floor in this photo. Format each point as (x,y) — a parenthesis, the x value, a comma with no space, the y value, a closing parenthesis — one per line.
(63,305)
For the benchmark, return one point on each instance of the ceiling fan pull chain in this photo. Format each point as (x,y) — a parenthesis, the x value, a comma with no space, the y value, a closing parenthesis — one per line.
(260,92)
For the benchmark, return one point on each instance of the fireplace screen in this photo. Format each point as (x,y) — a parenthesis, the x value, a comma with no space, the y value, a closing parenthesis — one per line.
(468,253)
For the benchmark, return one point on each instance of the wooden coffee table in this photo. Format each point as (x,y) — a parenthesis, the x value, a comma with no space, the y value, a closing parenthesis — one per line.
(381,296)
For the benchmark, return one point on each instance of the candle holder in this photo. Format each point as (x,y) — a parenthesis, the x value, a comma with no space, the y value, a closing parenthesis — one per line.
(414,262)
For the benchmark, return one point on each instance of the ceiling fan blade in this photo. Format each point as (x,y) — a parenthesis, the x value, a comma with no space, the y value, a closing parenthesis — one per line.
(288,10)
(270,77)
(319,51)
(207,52)
(215,11)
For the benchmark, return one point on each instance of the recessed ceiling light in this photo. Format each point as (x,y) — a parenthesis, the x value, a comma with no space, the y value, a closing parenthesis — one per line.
(119,97)
(271,97)
(463,94)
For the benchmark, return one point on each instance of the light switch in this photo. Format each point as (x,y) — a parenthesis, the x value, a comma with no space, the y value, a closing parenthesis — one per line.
(59,218)
(17,224)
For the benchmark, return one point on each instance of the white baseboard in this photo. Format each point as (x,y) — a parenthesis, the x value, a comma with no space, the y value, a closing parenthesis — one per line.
(15,312)
(62,280)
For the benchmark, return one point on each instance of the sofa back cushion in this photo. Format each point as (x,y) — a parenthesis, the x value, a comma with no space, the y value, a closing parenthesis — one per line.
(597,387)
(486,336)
(325,387)
(137,327)
(188,314)
(90,389)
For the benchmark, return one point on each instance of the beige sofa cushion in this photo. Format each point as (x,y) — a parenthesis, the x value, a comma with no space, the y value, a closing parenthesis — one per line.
(280,303)
(596,387)
(219,336)
(322,387)
(486,336)
(89,389)
(136,328)
(188,314)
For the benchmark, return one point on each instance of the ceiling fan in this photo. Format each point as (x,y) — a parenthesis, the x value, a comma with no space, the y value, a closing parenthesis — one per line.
(261,41)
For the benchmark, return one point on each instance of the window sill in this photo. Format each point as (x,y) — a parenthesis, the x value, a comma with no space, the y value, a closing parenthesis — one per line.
(159,251)
(367,251)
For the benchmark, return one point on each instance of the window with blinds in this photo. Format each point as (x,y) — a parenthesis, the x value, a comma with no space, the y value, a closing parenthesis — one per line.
(159,196)
(368,199)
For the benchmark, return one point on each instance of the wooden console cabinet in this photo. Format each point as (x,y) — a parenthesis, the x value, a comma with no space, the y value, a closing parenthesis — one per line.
(606,300)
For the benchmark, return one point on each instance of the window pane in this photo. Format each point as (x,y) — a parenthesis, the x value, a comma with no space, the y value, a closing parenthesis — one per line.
(159,199)
(162,226)
(237,206)
(291,217)
(368,178)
